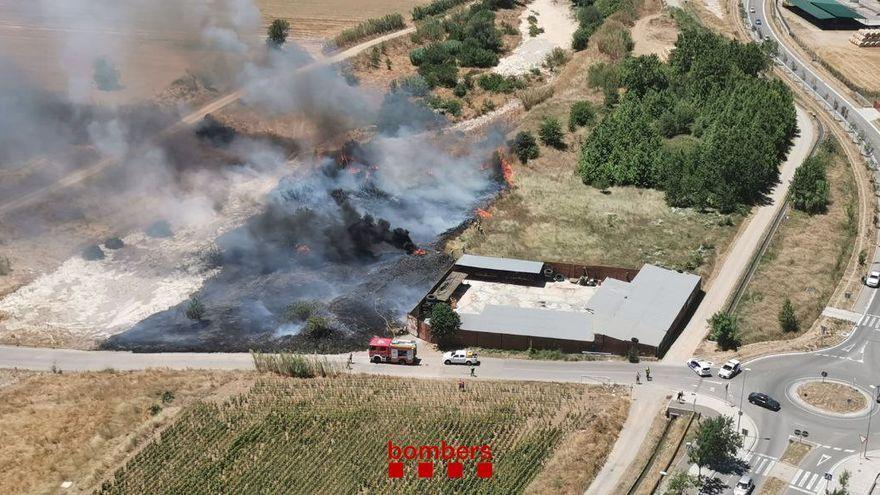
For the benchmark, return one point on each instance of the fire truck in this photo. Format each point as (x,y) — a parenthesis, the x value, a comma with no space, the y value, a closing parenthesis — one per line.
(398,351)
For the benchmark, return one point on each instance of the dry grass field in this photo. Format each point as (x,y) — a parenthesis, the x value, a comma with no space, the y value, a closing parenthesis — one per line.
(795,453)
(654,34)
(804,263)
(832,396)
(77,426)
(859,65)
(773,486)
(311,19)
(279,435)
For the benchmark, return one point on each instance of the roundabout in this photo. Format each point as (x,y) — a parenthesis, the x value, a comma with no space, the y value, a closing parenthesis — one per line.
(830,397)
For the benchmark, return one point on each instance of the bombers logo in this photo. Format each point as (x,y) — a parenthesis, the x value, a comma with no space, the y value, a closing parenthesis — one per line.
(450,454)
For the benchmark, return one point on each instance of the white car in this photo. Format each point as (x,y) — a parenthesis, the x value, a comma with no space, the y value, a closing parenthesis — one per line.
(462,356)
(701,368)
(730,369)
(752,10)
(873,280)
(744,486)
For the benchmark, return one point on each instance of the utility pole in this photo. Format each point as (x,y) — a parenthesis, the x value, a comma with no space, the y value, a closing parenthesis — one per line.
(742,393)
(876,396)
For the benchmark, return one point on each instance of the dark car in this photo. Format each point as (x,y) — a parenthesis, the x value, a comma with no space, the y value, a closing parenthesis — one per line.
(764,400)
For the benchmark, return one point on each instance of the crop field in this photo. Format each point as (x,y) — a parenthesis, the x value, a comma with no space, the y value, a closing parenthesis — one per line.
(331,435)
(325,18)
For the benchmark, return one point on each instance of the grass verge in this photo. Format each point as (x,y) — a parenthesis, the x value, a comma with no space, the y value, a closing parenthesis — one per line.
(795,452)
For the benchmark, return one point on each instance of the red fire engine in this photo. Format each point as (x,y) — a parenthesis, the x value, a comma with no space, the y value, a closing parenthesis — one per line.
(399,351)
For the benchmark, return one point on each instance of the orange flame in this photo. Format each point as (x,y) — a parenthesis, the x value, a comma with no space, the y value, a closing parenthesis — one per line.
(419,252)
(484,214)
(506,170)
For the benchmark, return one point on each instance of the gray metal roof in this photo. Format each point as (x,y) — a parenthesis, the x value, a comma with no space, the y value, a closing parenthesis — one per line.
(531,322)
(501,264)
(644,308)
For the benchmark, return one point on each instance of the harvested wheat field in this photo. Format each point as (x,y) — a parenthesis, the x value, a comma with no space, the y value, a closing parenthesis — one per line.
(76,427)
(324,18)
(859,65)
(804,261)
(282,433)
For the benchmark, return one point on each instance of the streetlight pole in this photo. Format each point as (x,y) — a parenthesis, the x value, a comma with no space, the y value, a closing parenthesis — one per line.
(742,393)
(870,413)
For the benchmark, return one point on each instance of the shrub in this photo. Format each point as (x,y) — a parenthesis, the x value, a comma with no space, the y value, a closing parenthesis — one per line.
(809,188)
(159,228)
(301,310)
(195,310)
(603,75)
(106,75)
(582,114)
(444,324)
(167,397)
(551,133)
(294,365)
(370,27)
(614,40)
(632,355)
(417,55)
(787,319)
(429,30)
(212,257)
(5,266)
(460,89)
(556,58)
(444,74)
(415,85)
(581,38)
(434,8)
(93,253)
(534,96)
(449,107)
(277,32)
(155,409)
(496,83)
(472,55)
(318,327)
(725,331)
(524,146)
(114,243)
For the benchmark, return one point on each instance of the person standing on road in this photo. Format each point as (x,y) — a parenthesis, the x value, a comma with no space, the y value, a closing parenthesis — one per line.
(648,373)
(638,378)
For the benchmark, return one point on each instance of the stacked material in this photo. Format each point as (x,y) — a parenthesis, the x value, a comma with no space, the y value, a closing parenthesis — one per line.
(866,37)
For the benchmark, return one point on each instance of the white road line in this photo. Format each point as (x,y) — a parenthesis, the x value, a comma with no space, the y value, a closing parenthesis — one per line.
(813,481)
(862,319)
(792,487)
(849,451)
(804,479)
(796,477)
(836,448)
(769,467)
(758,466)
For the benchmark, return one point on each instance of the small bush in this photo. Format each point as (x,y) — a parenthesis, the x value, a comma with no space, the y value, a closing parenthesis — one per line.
(167,397)
(5,266)
(472,55)
(725,331)
(551,133)
(632,355)
(496,83)
(524,146)
(93,253)
(434,8)
(195,310)
(429,30)
(445,323)
(556,58)
(415,85)
(114,243)
(277,32)
(534,96)
(159,228)
(582,114)
(318,327)
(581,38)
(809,188)
(301,310)
(449,107)
(603,75)
(614,40)
(106,75)
(460,89)
(212,257)
(155,409)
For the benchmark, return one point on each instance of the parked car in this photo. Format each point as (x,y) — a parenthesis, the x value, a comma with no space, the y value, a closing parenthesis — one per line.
(873,280)
(730,369)
(701,368)
(744,486)
(752,10)
(757,22)
(462,356)
(764,400)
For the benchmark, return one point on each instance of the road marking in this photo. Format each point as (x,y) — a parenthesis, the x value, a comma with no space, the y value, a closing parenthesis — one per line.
(792,487)
(804,480)
(769,467)
(760,465)
(836,448)
(796,477)
(812,481)
(822,459)
(850,451)
(848,348)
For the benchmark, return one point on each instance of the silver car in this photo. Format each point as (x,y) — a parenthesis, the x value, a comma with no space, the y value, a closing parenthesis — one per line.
(873,280)
(745,486)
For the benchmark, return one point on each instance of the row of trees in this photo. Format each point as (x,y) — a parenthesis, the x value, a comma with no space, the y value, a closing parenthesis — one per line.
(704,126)
(810,191)
(724,327)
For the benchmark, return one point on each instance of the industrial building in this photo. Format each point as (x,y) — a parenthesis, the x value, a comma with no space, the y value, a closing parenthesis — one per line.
(831,14)
(518,304)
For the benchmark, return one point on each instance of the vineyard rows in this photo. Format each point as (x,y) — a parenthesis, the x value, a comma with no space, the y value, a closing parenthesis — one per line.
(330,435)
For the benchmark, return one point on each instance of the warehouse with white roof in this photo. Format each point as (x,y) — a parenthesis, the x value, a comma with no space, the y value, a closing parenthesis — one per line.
(518,304)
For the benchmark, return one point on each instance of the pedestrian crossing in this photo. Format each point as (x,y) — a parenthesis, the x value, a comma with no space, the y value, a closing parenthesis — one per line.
(807,482)
(761,465)
(870,321)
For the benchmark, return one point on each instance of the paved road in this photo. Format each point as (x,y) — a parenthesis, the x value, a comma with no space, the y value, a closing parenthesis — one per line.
(80,175)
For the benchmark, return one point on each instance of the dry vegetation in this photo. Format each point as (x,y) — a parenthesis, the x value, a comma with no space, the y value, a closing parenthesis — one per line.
(832,396)
(654,34)
(310,19)
(795,452)
(665,448)
(773,486)
(78,426)
(274,437)
(804,262)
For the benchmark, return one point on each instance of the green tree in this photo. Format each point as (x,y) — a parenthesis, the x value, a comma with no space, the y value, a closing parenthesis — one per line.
(725,331)
(276,34)
(375,57)
(582,114)
(444,324)
(809,187)
(524,146)
(716,442)
(787,319)
(679,483)
(5,266)
(195,310)
(642,74)
(551,133)
(106,75)
(318,327)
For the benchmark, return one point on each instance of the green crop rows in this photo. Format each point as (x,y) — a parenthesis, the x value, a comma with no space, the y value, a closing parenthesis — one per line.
(330,435)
